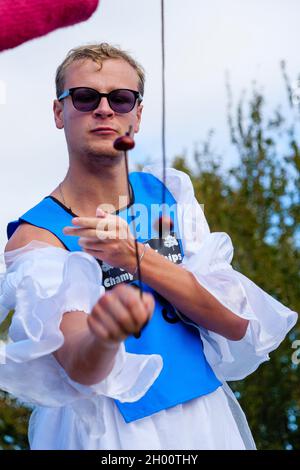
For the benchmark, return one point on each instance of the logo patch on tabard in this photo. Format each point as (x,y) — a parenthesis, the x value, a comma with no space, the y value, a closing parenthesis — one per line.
(169,247)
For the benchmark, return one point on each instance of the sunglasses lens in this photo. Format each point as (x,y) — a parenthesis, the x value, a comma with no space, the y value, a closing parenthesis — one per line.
(121,101)
(85,99)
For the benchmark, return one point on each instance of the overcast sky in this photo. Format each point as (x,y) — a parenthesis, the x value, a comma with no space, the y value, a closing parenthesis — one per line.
(203,40)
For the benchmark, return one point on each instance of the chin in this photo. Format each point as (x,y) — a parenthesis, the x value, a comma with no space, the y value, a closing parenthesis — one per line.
(101,152)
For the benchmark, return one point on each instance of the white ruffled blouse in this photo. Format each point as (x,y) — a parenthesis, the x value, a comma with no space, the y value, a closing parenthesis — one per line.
(42,282)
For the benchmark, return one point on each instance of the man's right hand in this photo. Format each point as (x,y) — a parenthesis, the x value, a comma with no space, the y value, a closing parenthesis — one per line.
(120,313)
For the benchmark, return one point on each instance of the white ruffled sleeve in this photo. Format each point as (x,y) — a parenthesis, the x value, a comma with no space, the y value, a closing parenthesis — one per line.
(41,283)
(208,256)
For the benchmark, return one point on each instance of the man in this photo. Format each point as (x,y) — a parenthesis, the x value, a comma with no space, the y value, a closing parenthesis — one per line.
(97,177)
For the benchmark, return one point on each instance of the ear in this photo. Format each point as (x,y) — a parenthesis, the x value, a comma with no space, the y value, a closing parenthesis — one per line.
(58,108)
(138,118)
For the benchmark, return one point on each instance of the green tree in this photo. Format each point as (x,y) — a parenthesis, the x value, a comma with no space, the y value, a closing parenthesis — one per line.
(13,416)
(258,204)
(13,423)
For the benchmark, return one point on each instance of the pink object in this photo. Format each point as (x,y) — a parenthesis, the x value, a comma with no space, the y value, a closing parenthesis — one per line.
(22,20)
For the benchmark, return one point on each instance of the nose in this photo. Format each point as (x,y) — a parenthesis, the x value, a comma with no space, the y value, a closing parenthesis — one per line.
(103,110)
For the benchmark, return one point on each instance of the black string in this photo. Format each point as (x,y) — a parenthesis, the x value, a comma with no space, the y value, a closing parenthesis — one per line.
(163,122)
(163,142)
(139,274)
(163,128)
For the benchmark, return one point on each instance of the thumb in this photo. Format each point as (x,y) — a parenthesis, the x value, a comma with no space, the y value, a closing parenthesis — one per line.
(100,212)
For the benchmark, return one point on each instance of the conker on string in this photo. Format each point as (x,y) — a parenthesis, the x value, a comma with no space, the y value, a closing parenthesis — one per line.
(124,143)
(163,225)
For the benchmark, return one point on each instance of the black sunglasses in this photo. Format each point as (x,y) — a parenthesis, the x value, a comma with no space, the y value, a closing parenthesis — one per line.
(87,99)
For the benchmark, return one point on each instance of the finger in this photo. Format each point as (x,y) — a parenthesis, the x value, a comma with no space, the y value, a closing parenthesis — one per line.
(103,313)
(130,298)
(123,316)
(149,303)
(106,234)
(99,329)
(100,212)
(108,224)
(80,232)
(89,222)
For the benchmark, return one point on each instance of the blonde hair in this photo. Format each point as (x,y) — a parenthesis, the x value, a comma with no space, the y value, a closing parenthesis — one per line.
(98,53)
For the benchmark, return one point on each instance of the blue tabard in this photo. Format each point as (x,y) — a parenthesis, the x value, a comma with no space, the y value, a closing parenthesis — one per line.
(186,373)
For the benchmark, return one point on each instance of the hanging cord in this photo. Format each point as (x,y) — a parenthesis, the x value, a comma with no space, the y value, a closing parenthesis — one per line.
(138,264)
(163,122)
(126,143)
(165,223)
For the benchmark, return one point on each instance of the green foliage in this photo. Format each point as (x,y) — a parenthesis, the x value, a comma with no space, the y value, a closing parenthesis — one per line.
(13,416)
(4,326)
(13,423)
(258,204)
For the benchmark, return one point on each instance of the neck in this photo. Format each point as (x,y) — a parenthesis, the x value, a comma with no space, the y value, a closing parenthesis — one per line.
(86,187)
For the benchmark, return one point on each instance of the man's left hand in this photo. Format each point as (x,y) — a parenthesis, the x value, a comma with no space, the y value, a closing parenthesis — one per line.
(106,237)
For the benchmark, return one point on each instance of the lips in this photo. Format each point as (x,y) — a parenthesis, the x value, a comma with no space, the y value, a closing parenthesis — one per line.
(104,130)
